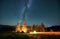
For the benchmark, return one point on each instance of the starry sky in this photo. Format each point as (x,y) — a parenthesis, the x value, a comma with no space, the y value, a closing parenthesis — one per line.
(38,11)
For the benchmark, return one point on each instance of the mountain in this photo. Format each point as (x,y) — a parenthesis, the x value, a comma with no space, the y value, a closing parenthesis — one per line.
(7,28)
(54,28)
(12,28)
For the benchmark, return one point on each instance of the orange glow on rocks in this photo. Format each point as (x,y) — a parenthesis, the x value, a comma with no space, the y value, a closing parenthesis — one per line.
(24,27)
(18,27)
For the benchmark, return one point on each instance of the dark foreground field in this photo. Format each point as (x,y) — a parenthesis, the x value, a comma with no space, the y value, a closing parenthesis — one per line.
(14,35)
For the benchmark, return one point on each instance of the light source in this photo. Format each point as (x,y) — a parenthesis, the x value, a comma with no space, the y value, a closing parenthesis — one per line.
(34,32)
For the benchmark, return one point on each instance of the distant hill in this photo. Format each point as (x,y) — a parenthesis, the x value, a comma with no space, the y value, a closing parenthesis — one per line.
(12,28)
(54,28)
(7,28)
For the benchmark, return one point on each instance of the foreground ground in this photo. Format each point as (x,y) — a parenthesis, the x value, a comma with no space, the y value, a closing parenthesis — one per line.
(14,35)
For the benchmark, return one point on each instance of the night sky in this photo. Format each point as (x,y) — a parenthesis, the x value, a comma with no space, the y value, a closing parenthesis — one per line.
(38,11)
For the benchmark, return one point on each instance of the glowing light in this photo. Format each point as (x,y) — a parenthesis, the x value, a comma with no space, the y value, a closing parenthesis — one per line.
(34,32)
(25,31)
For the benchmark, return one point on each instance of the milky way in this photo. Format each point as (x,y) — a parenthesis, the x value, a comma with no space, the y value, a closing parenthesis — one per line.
(27,5)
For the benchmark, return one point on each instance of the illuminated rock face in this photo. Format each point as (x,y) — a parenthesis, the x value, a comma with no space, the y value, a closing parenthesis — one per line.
(18,29)
(24,27)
